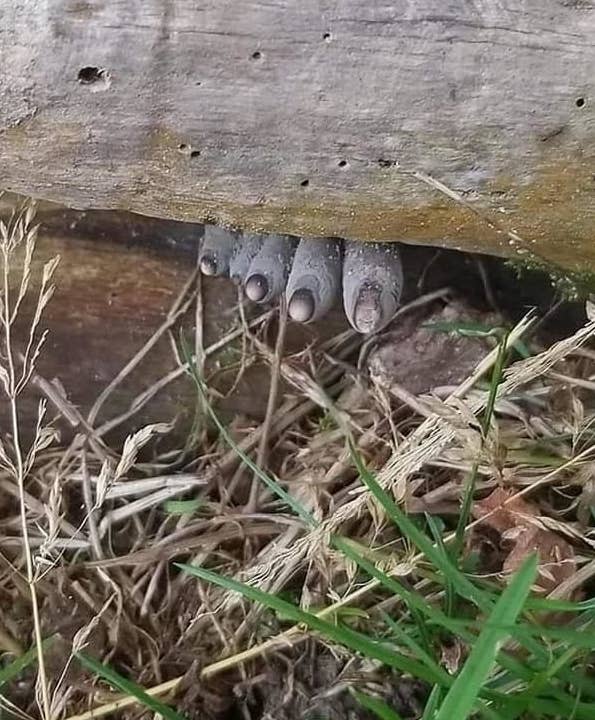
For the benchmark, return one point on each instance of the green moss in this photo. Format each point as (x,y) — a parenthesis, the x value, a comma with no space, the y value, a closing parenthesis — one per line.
(572,285)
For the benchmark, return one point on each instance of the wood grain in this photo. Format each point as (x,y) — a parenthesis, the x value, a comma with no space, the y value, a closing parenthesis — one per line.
(456,122)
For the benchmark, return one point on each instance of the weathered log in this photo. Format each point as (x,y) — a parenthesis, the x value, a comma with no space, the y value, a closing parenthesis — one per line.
(469,124)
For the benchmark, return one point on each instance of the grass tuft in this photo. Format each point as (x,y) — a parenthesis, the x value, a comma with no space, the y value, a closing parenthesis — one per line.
(119,682)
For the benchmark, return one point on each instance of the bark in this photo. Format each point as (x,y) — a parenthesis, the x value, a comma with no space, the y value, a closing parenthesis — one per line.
(469,124)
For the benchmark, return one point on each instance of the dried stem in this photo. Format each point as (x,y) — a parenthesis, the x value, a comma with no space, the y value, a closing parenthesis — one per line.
(11,239)
(261,455)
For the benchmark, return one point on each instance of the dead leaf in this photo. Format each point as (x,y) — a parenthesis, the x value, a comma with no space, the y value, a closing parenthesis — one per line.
(452,655)
(556,557)
(503,517)
(518,524)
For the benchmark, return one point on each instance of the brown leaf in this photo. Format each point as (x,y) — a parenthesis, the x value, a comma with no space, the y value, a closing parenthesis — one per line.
(556,557)
(518,525)
(503,517)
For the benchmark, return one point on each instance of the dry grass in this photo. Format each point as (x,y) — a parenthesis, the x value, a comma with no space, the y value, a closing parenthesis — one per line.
(88,534)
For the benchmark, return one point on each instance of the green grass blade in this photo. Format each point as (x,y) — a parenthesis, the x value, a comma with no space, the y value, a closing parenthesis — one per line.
(401,634)
(463,694)
(270,482)
(413,600)
(584,639)
(424,630)
(548,708)
(439,542)
(469,491)
(182,507)
(464,328)
(121,683)
(495,381)
(369,647)
(432,703)
(461,628)
(451,573)
(16,667)
(543,680)
(376,706)
(553,605)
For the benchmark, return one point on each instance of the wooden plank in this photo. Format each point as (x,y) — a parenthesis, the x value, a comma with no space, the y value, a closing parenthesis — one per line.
(469,124)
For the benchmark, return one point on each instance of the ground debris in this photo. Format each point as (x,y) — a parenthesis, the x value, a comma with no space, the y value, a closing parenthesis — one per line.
(105,552)
(313,682)
(421,354)
(521,533)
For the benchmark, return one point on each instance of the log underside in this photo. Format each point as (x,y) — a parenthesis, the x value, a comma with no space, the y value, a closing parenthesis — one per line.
(117,280)
(467,124)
